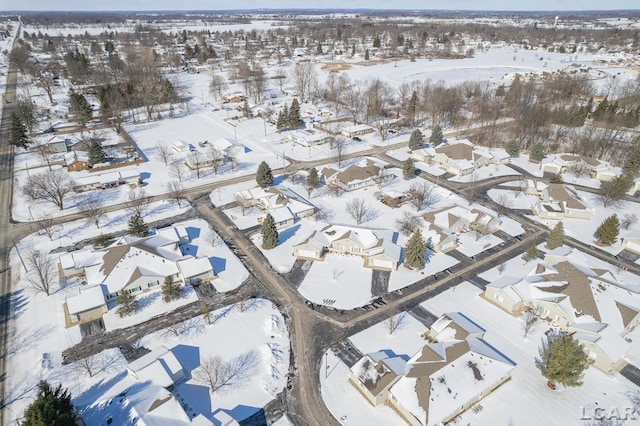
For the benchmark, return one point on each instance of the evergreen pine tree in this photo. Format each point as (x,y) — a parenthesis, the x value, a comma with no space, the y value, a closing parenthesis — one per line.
(412,108)
(294,114)
(313,180)
(556,237)
(319,49)
(562,359)
(269,233)
(171,290)
(531,253)
(280,121)
(246,111)
(632,164)
(415,140)
(537,152)
(353,49)
(80,108)
(137,226)
(127,304)
(608,231)
(436,135)
(376,42)
(96,153)
(414,251)
(52,406)
(18,131)
(513,149)
(408,169)
(366,55)
(264,177)
(285,117)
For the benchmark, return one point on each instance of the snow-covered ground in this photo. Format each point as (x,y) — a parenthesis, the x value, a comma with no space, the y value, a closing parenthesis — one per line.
(259,331)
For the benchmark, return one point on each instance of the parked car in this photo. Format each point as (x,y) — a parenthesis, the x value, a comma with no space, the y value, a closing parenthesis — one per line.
(357,139)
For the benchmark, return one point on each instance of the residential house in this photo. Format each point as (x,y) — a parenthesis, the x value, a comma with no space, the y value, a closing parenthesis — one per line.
(558,201)
(449,222)
(452,372)
(459,158)
(631,242)
(107,180)
(181,146)
(89,304)
(590,303)
(150,401)
(356,130)
(356,176)
(76,160)
(138,265)
(160,367)
(285,205)
(561,163)
(376,247)
(309,137)
(57,144)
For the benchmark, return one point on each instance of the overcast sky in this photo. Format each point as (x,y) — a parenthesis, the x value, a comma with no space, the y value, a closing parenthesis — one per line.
(319,4)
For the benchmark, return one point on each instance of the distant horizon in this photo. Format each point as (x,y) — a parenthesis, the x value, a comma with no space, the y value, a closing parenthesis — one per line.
(309,9)
(319,5)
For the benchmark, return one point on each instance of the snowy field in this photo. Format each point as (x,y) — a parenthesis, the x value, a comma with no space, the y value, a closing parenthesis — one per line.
(517,402)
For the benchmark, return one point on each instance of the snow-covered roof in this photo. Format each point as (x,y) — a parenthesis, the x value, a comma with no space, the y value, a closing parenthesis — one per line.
(435,389)
(192,267)
(88,298)
(125,263)
(153,405)
(160,367)
(176,233)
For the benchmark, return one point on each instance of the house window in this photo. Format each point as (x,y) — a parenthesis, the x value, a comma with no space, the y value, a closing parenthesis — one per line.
(498,297)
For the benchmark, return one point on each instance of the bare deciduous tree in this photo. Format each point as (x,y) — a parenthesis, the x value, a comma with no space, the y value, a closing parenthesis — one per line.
(217,86)
(422,195)
(395,321)
(213,238)
(42,273)
(305,78)
(358,209)
(196,162)
(502,267)
(530,318)
(137,201)
(46,223)
(89,365)
(219,375)
(479,229)
(92,208)
(177,171)
(628,220)
(339,144)
(164,152)
(54,186)
(217,159)
(177,192)
(407,224)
